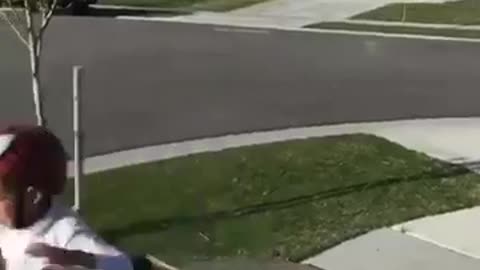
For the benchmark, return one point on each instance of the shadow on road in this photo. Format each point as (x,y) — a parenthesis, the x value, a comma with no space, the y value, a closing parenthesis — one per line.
(155,225)
(115,12)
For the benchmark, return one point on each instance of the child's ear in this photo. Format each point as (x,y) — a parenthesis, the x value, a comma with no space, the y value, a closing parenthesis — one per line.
(34,194)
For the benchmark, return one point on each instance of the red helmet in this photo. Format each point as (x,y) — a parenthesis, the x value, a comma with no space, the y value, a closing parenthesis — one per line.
(33,156)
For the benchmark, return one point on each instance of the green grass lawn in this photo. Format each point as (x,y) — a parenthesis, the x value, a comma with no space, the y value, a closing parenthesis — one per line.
(398,29)
(451,12)
(211,5)
(287,200)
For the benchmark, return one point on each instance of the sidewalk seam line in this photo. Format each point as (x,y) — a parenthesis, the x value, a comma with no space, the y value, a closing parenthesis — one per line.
(440,245)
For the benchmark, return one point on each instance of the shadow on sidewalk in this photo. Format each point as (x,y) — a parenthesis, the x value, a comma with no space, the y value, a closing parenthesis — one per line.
(155,225)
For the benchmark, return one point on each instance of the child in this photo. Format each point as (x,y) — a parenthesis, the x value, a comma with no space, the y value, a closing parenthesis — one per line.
(36,229)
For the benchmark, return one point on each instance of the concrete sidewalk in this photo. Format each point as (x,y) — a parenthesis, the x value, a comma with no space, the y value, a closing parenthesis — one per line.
(443,242)
(285,13)
(453,231)
(386,249)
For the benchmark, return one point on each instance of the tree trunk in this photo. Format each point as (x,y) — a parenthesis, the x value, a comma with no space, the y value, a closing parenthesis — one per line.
(37,100)
(34,51)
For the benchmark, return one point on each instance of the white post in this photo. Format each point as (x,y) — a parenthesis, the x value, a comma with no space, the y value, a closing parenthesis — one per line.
(77,133)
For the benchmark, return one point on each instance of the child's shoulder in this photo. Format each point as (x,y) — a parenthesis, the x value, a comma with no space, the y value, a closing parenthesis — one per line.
(65,224)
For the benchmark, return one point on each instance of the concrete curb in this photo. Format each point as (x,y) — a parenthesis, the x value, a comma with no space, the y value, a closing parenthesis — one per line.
(408,24)
(295,29)
(173,150)
(397,131)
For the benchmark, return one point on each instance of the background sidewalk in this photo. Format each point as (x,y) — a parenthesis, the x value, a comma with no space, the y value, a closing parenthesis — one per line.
(286,13)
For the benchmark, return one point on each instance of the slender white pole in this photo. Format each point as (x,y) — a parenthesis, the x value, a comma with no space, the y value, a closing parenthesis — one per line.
(77,133)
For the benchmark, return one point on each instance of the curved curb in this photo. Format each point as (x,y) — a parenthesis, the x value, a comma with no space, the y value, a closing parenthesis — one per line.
(184,20)
(392,130)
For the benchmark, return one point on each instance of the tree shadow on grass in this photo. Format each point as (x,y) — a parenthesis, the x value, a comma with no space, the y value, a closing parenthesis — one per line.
(156,225)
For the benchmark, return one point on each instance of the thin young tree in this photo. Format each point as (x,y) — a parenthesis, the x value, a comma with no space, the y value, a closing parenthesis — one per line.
(404,12)
(29,19)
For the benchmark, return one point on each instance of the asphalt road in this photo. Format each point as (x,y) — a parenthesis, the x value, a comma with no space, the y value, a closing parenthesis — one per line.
(150,83)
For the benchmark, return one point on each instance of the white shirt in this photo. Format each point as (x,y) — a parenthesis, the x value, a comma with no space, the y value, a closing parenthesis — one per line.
(61,227)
